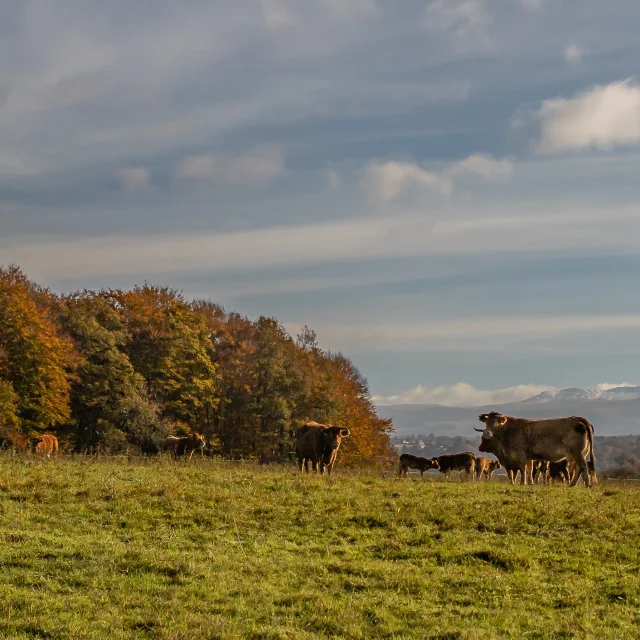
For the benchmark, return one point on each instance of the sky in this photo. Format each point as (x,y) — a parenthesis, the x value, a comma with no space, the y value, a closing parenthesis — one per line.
(445,190)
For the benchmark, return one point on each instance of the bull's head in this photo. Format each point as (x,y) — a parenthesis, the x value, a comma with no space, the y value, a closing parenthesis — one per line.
(333,437)
(434,464)
(494,465)
(198,441)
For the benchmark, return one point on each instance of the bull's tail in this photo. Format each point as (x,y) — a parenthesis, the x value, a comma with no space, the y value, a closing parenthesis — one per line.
(589,430)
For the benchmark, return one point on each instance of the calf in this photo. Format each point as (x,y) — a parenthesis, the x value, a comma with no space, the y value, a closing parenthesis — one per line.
(408,461)
(485,467)
(457,462)
(185,445)
(46,444)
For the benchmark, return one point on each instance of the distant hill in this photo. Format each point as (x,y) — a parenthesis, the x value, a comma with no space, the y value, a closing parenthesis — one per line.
(612,412)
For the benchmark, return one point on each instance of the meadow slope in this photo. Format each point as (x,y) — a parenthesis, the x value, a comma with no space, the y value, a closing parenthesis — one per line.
(133,549)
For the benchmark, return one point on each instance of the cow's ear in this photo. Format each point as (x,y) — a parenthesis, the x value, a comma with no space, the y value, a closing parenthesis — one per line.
(344,432)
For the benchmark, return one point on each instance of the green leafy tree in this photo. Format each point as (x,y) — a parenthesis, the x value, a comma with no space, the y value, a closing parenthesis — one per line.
(109,403)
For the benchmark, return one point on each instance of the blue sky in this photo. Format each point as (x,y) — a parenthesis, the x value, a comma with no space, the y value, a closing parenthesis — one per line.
(446,190)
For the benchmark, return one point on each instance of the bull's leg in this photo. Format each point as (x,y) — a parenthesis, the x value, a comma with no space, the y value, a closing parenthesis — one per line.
(523,475)
(583,470)
(191,454)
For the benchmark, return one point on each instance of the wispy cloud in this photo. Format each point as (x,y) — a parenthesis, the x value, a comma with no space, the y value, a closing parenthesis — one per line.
(602,117)
(388,180)
(494,333)
(464,23)
(254,168)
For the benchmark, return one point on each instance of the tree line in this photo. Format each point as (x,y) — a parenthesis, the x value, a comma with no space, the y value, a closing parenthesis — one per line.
(118,370)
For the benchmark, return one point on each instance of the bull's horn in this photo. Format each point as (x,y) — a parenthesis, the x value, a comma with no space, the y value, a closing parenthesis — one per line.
(480,430)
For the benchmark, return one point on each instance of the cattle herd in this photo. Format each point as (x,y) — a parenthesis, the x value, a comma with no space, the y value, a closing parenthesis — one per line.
(554,449)
(547,450)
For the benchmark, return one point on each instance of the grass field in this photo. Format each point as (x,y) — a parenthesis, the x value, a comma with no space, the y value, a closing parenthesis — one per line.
(119,549)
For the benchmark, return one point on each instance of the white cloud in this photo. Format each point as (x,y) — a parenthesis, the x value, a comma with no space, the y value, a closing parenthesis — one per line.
(388,180)
(254,168)
(606,386)
(134,178)
(463,395)
(602,117)
(463,22)
(484,166)
(573,54)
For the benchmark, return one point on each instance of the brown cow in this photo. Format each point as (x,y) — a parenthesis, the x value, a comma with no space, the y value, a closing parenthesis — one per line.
(186,444)
(408,461)
(46,444)
(318,444)
(449,462)
(515,441)
(485,467)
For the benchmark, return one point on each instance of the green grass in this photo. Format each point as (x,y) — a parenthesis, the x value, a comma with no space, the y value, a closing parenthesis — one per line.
(119,549)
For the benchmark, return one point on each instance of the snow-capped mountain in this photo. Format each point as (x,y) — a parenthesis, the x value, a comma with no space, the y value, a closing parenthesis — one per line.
(571,393)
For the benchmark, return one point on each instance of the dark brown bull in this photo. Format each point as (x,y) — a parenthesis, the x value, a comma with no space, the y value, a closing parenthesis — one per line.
(485,468)
(457,462)
(318,444)
(515,441)
(181,446)
(408,461)
(46,444)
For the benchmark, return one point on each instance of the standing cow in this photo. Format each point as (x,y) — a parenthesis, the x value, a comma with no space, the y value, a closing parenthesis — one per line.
(185,445)
(318,444)
(485,468)
(45,445)
(408,461)
(449,462)
(516,441)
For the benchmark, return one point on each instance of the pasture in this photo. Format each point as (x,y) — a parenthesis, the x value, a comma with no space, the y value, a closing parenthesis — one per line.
(205,549)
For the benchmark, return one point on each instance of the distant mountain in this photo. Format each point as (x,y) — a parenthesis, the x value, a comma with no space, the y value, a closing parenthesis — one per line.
(617,393)
(612,412)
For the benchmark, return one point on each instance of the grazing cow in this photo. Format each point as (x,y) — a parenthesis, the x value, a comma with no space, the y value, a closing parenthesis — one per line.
(408,461)
(485,467)
(46,444)
(515,441)
(318,444)
(457,462)
(187,444)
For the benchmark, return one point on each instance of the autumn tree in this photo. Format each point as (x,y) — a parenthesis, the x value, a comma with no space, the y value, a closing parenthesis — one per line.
(168,344)
(35,359)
